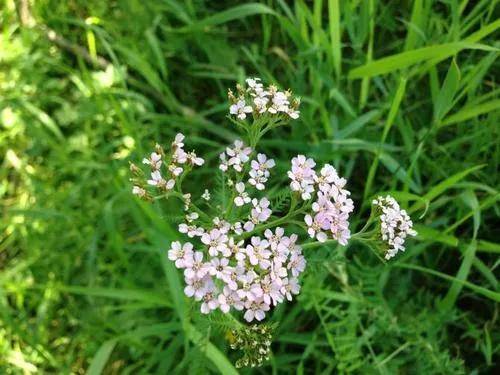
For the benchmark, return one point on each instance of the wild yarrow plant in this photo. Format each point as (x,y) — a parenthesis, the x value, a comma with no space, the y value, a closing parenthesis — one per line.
(242,255)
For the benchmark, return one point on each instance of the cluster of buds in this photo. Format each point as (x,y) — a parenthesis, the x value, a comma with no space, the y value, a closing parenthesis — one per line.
(258,100)
(332,206)
(395,224)
(254,342)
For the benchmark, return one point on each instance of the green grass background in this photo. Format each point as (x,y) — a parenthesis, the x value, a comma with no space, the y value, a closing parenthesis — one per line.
(401,96)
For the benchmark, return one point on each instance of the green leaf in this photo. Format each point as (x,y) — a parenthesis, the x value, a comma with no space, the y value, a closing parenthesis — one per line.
(211,351)
(334,22)
(444,100)
(471,111)
(406,59)
(101,358)
(443,186)
(122,294)
(452,295)
(237,12)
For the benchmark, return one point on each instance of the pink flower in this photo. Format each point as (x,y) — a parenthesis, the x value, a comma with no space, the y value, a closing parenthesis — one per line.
(260,171)
(297,264)
(240,109)
(271,291)
(231,275)
(154,161)
(243,197)
(255,309)
(216,242)
(248,290)
(257,253)
(259,214)
(218,267)
(314,228)
(290,287)
(275,238)
(179,156)
(195,268)
(191,230)
(227,299)
(196,287)
(302,175)
(239,155)
(179,253)
(210,301)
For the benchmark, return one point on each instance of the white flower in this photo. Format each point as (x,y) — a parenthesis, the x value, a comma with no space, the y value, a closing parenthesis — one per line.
(279,103)
(178,141)
(191,230)
(192,216)
(221,225)
(224,163)
(154,161)
(293,113)
(175,169)
(206,195)
(243,197)
(179,253)
(140,192)
(158,181)
(238,155)
(193,159)
(179,156)
(216,241)
(237,228)
(256,309)
(240,109)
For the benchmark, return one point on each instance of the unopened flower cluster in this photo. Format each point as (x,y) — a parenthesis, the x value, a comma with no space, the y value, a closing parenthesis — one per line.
(254,342)
(395,224)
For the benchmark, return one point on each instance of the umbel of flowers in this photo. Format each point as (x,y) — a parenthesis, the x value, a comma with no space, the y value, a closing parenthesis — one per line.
(245,257)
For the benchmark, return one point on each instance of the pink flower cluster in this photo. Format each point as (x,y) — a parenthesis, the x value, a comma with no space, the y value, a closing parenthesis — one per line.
(235,156)
(332,205)
(226,273)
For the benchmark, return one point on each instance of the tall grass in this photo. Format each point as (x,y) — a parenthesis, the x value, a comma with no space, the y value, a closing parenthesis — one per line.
(402,92)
